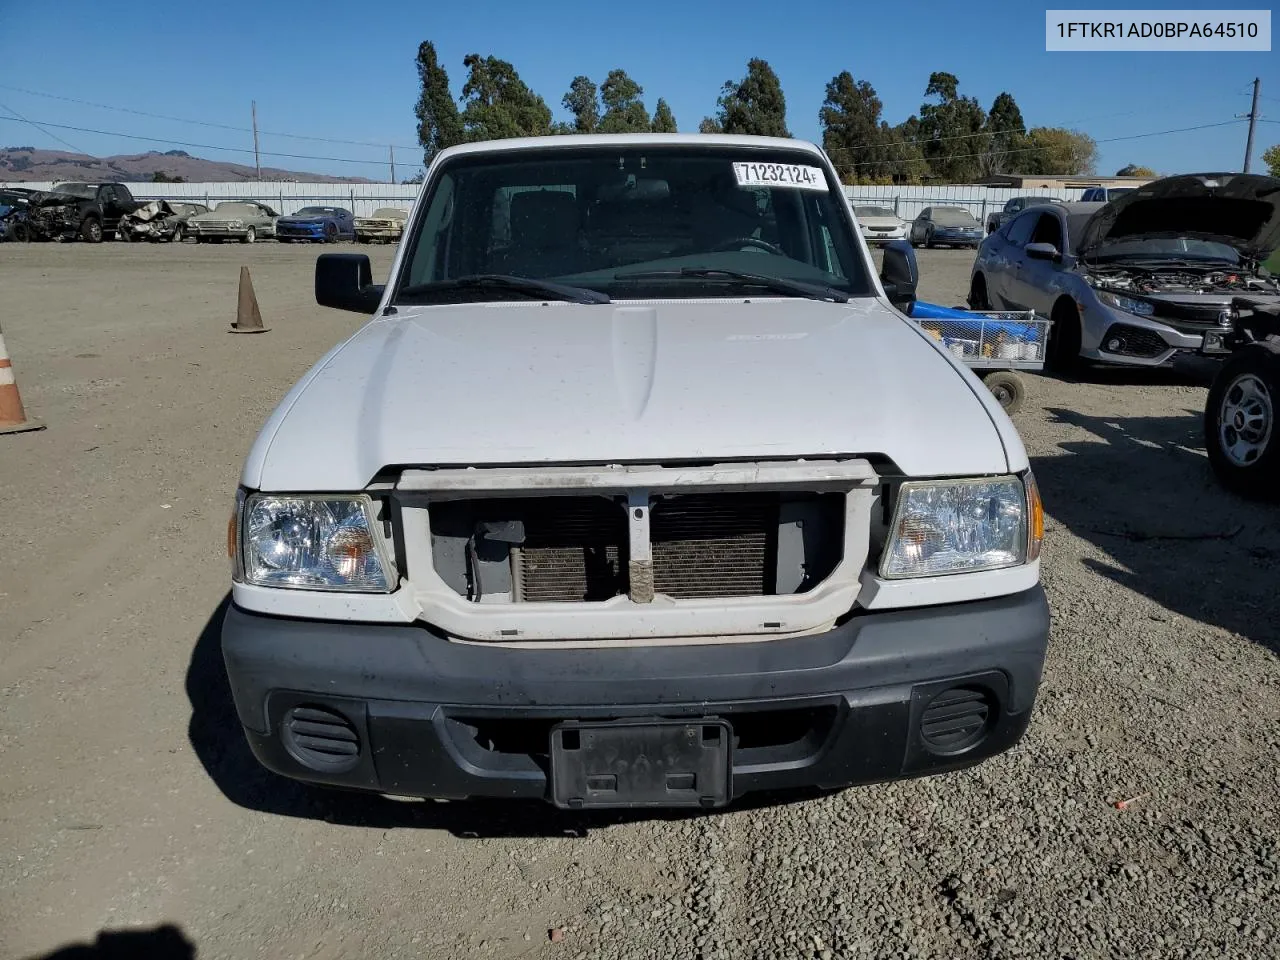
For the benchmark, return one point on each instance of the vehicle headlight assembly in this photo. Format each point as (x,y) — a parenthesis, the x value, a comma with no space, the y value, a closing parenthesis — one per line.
(1139,308)
(313,543)
(943,527)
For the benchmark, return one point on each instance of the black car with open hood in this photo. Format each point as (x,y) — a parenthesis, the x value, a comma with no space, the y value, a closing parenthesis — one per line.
(1240,210)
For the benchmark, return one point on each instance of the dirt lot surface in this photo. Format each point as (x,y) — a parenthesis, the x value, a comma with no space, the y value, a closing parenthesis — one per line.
(129,800)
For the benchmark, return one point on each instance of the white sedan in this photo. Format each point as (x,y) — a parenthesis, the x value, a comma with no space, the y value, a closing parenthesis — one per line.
(880,224)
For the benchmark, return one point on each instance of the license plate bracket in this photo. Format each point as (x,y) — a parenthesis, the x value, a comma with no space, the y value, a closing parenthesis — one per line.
(641,763)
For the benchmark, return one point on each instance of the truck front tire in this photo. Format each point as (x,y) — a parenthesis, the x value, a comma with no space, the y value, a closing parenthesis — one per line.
(1240,422)
(91,230)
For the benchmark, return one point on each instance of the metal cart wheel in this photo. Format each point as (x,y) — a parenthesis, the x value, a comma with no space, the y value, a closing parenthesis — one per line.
(1008,388)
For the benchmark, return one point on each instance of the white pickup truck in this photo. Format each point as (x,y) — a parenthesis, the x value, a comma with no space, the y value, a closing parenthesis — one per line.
(637,490)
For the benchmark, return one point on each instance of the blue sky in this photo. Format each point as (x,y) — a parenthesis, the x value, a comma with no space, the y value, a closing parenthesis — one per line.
(346,71)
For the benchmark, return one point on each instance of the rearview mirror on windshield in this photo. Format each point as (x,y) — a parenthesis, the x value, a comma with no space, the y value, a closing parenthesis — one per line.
(899,273)
(344,281)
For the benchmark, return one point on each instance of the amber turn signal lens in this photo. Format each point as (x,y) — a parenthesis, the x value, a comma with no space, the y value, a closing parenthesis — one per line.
(1035,518)
(231,535)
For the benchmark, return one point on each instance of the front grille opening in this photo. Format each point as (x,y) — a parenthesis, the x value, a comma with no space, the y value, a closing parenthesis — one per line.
(575,548)
(762,735)
(788,730)
(958,719)
(553,548)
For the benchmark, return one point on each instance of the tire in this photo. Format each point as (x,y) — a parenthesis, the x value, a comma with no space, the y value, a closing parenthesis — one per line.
(124,235)
(928,240)
(250,236)
(20,233)
(1007,387)
(978,297)
(1063,353)
(1240,431)
(177,235)
(91,230)
(330,233)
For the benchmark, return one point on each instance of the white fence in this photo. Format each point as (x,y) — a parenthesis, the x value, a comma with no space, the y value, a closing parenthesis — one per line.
(907,202)
(363,198)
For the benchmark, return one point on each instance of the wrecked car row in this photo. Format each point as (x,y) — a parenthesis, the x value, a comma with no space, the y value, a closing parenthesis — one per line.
(94,212)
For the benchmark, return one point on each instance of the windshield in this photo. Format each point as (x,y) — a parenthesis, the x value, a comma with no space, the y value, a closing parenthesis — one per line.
(608,218)
(82,190)
(317,212)
(874,212)
(236,209)
(1165,248)
(1033,201)
(953,217)
(389,213)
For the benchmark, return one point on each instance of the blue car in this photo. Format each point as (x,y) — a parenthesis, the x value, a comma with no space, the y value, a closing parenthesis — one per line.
(321,224)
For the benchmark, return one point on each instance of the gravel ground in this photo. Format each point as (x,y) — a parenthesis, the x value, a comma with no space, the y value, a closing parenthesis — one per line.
(129,799)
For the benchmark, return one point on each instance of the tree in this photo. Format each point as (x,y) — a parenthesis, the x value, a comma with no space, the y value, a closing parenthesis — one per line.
(952,131)
(582,102)
(498,104)
(709,125)
(664,120)
(624,111)
(1133,170)
(1007,136)
(851,129)
(439,125)
(1056,152)
(161,177)
(755,104)
(1271,157)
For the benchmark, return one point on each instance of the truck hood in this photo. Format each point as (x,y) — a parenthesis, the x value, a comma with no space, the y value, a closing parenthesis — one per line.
(1241,210)
(508,383)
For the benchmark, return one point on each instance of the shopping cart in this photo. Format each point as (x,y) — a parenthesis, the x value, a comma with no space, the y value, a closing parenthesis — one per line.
(995,344)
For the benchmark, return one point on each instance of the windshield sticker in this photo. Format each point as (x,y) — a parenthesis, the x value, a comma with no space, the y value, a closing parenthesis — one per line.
(780,175)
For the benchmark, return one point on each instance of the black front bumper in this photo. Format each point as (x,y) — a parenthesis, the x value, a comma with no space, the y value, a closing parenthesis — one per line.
(413,713)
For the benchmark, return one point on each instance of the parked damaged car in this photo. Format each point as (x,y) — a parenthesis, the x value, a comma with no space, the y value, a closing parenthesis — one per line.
(14,214)
(385,226)
(89,211)
(1142,279)
(319,224)
(243,220)
(159,220)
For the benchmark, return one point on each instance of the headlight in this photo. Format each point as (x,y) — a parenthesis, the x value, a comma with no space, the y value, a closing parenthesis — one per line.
(236,224)
(1129,305)
(313,543)
(961,526)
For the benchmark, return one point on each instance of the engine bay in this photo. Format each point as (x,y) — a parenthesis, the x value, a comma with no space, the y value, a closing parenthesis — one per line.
(1180,280)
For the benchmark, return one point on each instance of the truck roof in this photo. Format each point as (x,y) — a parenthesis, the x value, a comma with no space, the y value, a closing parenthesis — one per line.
(628,140)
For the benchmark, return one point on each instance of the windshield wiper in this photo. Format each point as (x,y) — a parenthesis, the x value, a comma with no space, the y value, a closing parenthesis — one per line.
(526,285)
(796,288)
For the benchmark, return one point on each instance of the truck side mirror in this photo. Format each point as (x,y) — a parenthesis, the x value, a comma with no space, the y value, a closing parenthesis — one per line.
(899,274)
(344,281)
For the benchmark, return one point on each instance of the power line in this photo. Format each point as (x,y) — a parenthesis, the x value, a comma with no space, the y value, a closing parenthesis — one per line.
(200,123)
(180,143)
(19,116)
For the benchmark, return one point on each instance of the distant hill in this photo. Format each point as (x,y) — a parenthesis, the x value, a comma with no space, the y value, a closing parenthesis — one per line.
(25,163)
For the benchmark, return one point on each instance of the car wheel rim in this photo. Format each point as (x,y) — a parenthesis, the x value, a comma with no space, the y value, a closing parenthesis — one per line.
(1244,422)
(1002,394)
(250,235)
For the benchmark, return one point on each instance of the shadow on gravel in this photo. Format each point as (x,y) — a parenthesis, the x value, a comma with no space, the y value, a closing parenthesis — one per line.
(219,743)
(1186,372)
(166,942)
(1141,490)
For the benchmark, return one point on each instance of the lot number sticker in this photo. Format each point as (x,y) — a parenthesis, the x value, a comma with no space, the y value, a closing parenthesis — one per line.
(780,175)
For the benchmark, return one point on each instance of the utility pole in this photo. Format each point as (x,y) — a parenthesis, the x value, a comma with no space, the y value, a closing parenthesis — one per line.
(256,162)
(392,148)
(1253,121)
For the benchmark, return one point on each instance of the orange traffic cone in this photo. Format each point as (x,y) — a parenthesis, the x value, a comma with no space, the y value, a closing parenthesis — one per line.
(248,316)
(13,419)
